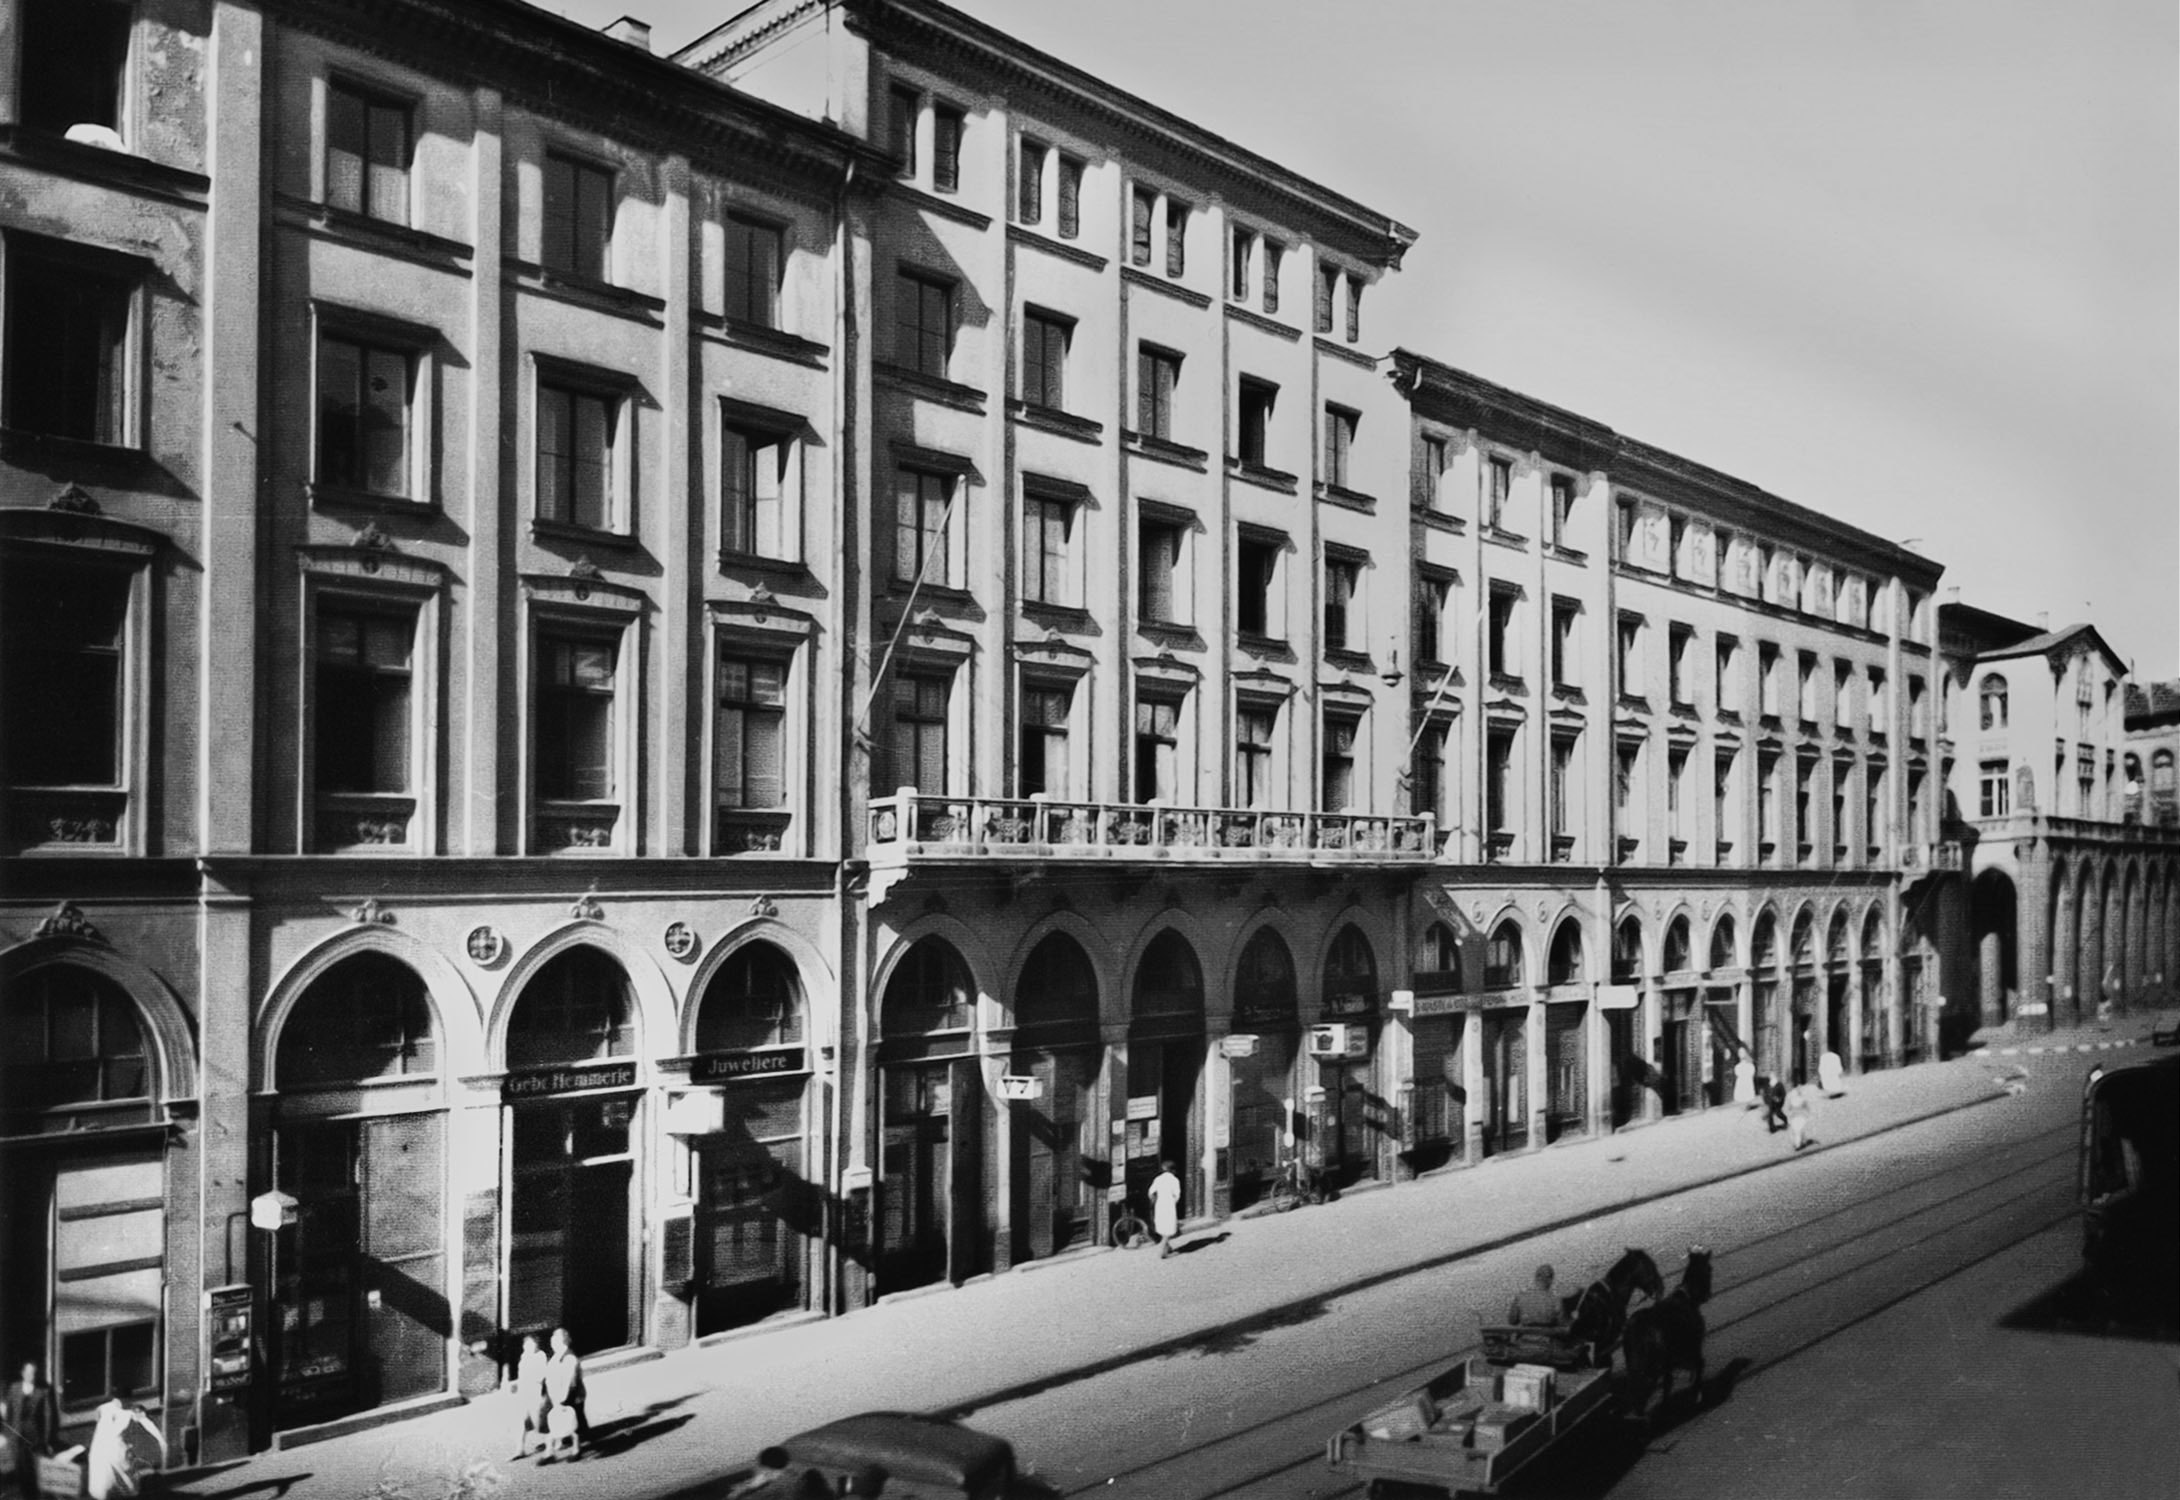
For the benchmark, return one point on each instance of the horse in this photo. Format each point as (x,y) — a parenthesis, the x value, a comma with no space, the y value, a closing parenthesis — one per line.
(1667,1336)
(1597,1314)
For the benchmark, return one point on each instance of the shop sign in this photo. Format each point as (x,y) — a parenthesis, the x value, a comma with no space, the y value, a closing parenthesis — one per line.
(1019,1086)
(227,1324)
(546,1083)
(1145,1108)
(1240,1044)
(757,1062)
(1354,1004)
(1437,1005)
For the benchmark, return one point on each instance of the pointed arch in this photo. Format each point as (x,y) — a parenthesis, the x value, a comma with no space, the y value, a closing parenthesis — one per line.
(820,984)
(1725,952)
(654,1009)
(456,1015)
(1505,955)
(1627,950)
(1563,962)
(1764,952)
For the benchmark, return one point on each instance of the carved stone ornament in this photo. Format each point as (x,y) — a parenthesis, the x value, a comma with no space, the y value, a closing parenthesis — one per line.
(372,914)
(72,500)
(485,946)
(762,596)
(67,921)
(585,573)
(1544,909)
(1476,912)
(763,906)
(373,538)
(585,908)
(680,941)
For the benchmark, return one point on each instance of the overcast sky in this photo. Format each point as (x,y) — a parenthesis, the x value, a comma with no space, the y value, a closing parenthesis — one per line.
(1913,264)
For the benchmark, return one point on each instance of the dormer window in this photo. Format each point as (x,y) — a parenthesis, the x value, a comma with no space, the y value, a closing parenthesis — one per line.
(75,55)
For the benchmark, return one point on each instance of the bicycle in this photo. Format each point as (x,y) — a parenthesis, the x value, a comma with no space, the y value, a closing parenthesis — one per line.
(1129,1231)
(1296,1184)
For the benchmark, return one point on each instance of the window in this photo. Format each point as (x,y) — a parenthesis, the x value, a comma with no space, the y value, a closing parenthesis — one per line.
(1142,205)
(1624,515)
(1630,664)
(1042,763)
(1239,279)
(760,491)
(1070,198)
(1432,787)
(1993,694)
(1562,508)
(1565,614)
(1257,570)
(1339,444)
(756,254)
(1499,783)
(1843,678)
(1430,619)
(74,57)
(924,533)
(1805,686)
(1724,821)
(1873,807)
(1500,647)
(1029,181)
(1721,551)
(2085,698)
(1842,771)
(68,359)
(1354,309)
(1498,486)
(919,730)
(2164,795)
(1157,372)
(1176,237)
(1160,594)
(1343,621)
(1767,673)
(578,450)
(1676,546)
(923,310)
(2085,783)
(1728,684)
(751,734)
(1045,337)
(574,750)
(62,651)
(905,104)
(361,698)
(366,153)
(578,218)
(1431,475)
(1254,415)
(1157,749)
(1336,779)
(1767,799)
(1048,550)
(1918,725)
(1272,255)
(1562,780)
(1502,958)
(1676,786)
(946,123)
(366,392)
(1880,703)
(1328,285)
(1679,645)
(1805,772)
(1627,759)
(1253,729)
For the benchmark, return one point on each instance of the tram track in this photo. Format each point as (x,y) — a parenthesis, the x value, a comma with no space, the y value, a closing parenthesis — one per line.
(1855,1239)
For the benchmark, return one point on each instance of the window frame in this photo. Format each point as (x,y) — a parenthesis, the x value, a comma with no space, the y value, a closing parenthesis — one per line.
(1241,258)
(419,346)
(1030,158)
(1044,688)
(418,600)
(1178,573)
(1157,384)
(1067,194)
(904,112)
(1341,425)
(1255,762)
(1255,401)
(765,828)
(618,625)
(1168,744)
(949,129)
(757,430)
(745,285)
(371,98)
(616,393)
(1041,329)
(950,532)
(1177,219)
(122,76)
(578,167)
(925,285)
(126,281)
(1269,594)
(947,676)
(1058,575)
(1142,224)
(1340,729)
(1349,613)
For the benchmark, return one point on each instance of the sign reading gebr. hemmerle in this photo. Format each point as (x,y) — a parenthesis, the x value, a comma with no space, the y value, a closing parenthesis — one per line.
(758,1062)
(544,1083)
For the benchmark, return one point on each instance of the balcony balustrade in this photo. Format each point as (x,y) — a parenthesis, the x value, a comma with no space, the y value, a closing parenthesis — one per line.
(914,825)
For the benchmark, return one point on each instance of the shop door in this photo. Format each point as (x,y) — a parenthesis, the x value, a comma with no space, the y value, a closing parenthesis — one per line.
(1835,1019)
(1674,1043)
(1168,1070)
(916,1163)
(1567,1069)
(1506,1081)
(83,1238)
(1718,1027)
(1873,1017)
(1805,1005)
(1053,1150)
(1263,1085)
(1438,1117)
(1355,1118)
(752,1208)
(1626,1065)
(404,1317)
(568,1259)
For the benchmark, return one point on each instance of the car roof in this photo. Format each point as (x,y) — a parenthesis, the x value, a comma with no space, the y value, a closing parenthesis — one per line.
(909,1447)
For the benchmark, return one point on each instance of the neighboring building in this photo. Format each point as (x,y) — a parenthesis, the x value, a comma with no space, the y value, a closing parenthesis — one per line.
(2153,746)
(2072,898)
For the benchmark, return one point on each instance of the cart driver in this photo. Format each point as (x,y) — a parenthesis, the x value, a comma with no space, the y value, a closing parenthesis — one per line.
(1535,1306)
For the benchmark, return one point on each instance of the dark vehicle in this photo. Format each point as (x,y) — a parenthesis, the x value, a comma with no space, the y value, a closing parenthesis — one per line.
(2130,1189)
(899,1455)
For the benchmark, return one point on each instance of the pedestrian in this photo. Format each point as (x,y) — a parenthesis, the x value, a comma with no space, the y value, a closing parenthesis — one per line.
(1165,1207)
(564,1387)
(1774,1106)
(527,1386)
(1536,1306)
(1744,1083)
(34,1426)
(124,1447)
(1831,1073)
(1797,1116)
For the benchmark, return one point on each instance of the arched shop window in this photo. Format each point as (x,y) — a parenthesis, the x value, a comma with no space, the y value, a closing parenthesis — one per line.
(1058,986)
(1502,957)
(1836,949)
(1722,954)
(1351,969)
(577,1009)
(1764,949)
(1873,936)
(368,1017)
(1677,959)
(1170,980)
(1438,960)
(1565,963)
(1805,939)
(755,1000)
(930,991)
(1627,951)
(69,1037)
(1264,978)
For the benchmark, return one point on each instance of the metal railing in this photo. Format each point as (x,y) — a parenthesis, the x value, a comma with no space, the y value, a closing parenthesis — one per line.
(912,823)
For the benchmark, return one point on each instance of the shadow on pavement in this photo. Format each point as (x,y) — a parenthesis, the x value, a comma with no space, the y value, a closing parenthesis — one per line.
(1201,1244)
(1239,1336)
(1591,1469)
(2076,1306)
(276,1489)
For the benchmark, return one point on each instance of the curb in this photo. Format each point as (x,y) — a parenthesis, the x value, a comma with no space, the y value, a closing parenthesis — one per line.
(2061,1047)
(1285,1311)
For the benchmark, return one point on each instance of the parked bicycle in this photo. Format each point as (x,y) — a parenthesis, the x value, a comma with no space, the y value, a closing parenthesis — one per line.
(1297,1183)
(1130,1231)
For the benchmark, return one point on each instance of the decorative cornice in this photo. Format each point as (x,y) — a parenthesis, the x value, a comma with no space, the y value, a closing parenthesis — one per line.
(67,921)
(1019,235)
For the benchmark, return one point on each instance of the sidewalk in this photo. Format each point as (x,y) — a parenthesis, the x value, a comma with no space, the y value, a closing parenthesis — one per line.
(668,1421)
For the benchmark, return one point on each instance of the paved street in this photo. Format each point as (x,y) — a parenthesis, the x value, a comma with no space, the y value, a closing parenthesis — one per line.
(1223,1370)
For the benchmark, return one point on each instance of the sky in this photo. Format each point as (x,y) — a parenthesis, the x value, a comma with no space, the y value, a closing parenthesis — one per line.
(1912,263)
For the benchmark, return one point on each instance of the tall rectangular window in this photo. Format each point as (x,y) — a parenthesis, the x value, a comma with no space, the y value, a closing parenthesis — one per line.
(1728,683)
(1336,778)
(1498,488)
(1142,207)
(1432,790)
(1676,788)
(1342,619)
(577,436)
(1805,773)
(1253,729)
(1767,675)
(1042,764)
(1045,338)
(1680,646)
(365,390)
(1257,575)
(1562,508)
(1625,516)
(946,127)
(751,733)
(575,717)
(1430,619)
(1627,757)
(1805,686)
(578,221)
(61,665)
(1176,238)
(1160,596)
(74,55)
(1328,288)
(1501,654)
(1842,773)
(1767,799)
(366,153)
(1157,749)
(1873,807)
(1843,678)
(919,730)
(1677,559)
(1239,264)
(1070,185)
(1994,789)
(361,698)
(1430,476)
(924,527)
(1157,372)
(1340,426)
(756,254)
(1273,254)
(1565,614)
(1880,711)
(760,500)
(1918,720)
(1557,797)
(1725,820)
(1253,417)
(1029,181)
(1048,550)
(1630,664)
(1499,782)
(903,105)
(1354,309)
(67,347)
(923,311)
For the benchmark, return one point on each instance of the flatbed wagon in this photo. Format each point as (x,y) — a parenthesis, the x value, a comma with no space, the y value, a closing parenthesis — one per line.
(1461,1434)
